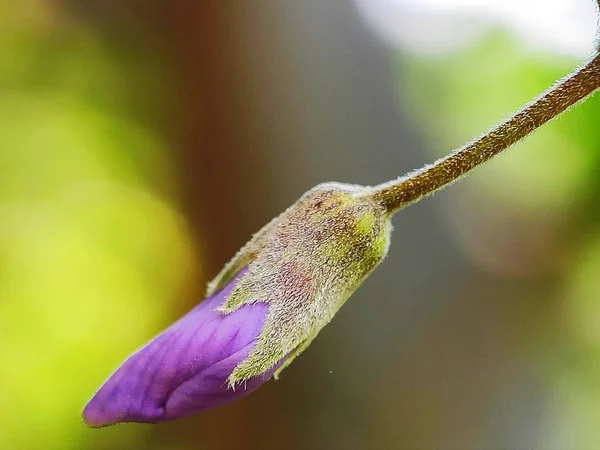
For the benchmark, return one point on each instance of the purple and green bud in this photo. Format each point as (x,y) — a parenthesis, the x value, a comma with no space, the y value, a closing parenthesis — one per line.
(182,370)
(263,309)
(287,283)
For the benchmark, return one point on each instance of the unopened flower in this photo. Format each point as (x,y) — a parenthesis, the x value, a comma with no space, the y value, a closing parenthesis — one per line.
(184,370)
(262,310)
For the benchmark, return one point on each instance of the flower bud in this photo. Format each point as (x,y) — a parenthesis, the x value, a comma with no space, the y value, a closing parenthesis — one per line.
(261,311)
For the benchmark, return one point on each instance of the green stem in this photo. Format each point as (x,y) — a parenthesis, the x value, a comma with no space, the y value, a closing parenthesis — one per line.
(567,92)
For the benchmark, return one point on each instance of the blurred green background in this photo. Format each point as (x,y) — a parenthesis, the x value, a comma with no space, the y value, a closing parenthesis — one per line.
(143,142)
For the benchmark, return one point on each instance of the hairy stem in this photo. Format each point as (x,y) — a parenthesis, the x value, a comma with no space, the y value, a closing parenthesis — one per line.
(567,92)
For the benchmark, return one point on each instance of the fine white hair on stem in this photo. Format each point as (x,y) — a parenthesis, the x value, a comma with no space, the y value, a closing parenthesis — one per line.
(563,95)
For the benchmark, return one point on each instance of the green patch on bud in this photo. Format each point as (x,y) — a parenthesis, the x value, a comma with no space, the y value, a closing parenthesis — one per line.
(305,263)
(365,224)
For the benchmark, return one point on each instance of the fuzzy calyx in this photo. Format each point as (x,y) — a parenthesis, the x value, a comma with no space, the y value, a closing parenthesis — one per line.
(305,264)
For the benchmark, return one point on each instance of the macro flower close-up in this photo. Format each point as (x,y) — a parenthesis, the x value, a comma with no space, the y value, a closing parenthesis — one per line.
(298,225)
(263,309)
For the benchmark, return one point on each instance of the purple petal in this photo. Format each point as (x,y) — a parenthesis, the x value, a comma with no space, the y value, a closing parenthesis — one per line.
(183,370)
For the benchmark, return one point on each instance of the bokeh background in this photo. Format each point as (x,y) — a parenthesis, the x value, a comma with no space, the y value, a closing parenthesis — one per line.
(143,142)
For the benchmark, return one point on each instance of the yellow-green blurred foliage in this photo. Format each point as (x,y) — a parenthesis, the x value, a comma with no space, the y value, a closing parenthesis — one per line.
(89,237)
(468,92)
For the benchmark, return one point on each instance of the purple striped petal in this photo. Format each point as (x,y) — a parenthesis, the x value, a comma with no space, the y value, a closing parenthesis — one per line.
(184,369)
